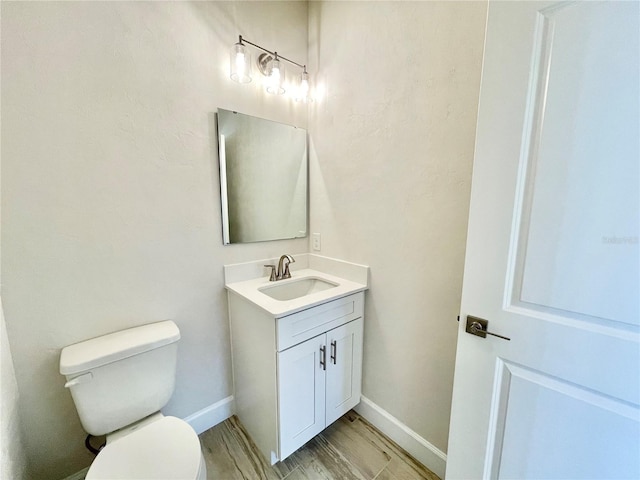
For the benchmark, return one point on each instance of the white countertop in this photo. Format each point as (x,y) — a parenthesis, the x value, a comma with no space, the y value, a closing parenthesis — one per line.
(249,289)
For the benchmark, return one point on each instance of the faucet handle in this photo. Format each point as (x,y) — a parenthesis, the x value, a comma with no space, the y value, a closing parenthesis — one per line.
(272,277)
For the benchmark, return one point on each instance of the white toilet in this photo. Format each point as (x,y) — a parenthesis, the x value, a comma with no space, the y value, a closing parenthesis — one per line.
(119,382)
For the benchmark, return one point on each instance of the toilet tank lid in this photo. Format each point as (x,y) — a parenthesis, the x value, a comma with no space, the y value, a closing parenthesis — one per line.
(99,351)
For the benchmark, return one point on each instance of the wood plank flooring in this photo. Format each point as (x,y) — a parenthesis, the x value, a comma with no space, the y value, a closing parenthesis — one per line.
(350,449)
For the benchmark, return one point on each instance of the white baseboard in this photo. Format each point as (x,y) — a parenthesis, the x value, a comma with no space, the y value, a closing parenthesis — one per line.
(211,416)
(419,448)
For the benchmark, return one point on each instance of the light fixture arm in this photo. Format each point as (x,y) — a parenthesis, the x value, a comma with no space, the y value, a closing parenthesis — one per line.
(274,54)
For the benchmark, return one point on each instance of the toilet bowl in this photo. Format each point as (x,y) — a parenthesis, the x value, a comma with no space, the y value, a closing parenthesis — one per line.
(119,382)
(165,447)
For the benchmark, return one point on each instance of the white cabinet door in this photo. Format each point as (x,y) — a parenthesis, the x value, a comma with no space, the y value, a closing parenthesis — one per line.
(552,252)
(344,369)
(301,405)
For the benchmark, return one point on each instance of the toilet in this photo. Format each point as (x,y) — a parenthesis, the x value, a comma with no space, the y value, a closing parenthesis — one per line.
(119,382)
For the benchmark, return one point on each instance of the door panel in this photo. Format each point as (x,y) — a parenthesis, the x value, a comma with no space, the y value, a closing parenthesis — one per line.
(563,446)
(301,399)
(552,249)
(580,217)
(344,370)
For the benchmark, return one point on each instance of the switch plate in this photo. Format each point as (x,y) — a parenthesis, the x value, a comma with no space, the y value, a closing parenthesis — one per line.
(315,242)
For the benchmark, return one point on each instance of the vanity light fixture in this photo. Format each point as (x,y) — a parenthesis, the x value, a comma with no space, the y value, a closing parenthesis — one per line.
(240,63)
(274,72)
(270,65)
(304,89)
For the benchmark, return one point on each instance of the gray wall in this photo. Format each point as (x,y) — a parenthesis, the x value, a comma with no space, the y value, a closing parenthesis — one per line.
(12,452)
(110,190)
(390,182)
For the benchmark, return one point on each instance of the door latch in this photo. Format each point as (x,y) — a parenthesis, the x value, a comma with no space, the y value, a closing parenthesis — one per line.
(478,326)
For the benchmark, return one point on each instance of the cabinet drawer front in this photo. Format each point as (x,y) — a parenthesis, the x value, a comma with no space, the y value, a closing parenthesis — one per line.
(301,326)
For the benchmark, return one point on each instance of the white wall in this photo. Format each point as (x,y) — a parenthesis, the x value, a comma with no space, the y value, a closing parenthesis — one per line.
(110,191)
(391,155)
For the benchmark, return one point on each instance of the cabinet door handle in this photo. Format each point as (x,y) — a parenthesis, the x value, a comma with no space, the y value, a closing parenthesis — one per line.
(334,351)
(323,357)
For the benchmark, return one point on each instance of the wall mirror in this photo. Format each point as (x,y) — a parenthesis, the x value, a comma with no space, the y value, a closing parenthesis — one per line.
(263,178)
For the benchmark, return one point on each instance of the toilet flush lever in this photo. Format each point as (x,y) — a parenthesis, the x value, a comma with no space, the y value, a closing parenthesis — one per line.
(478,326)
(87,377)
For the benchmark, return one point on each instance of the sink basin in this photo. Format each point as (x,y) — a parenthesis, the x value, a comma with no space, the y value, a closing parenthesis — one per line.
(297,288)
(307,287)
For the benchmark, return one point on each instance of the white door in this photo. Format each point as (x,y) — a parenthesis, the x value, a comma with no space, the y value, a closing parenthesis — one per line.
(552,254)
(301,394)
(344,369)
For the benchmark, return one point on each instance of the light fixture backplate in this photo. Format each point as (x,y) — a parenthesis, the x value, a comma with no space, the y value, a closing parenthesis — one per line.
(263,63)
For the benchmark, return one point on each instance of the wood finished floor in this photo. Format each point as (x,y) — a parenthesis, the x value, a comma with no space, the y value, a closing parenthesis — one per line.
(349,449)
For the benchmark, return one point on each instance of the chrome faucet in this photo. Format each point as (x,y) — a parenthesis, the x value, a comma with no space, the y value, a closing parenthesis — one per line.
(279,273)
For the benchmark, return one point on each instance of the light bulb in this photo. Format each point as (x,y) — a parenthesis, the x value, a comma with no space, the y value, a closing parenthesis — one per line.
(276,78)
(303,89)
(240,60)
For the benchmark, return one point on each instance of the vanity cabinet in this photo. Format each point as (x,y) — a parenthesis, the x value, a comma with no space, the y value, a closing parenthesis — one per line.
(318,382)
(297,374)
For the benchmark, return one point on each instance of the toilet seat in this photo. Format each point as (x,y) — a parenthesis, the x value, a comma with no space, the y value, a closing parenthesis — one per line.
(165,449)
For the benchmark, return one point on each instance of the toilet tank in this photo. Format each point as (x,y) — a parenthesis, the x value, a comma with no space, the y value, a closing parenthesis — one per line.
(120,378)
